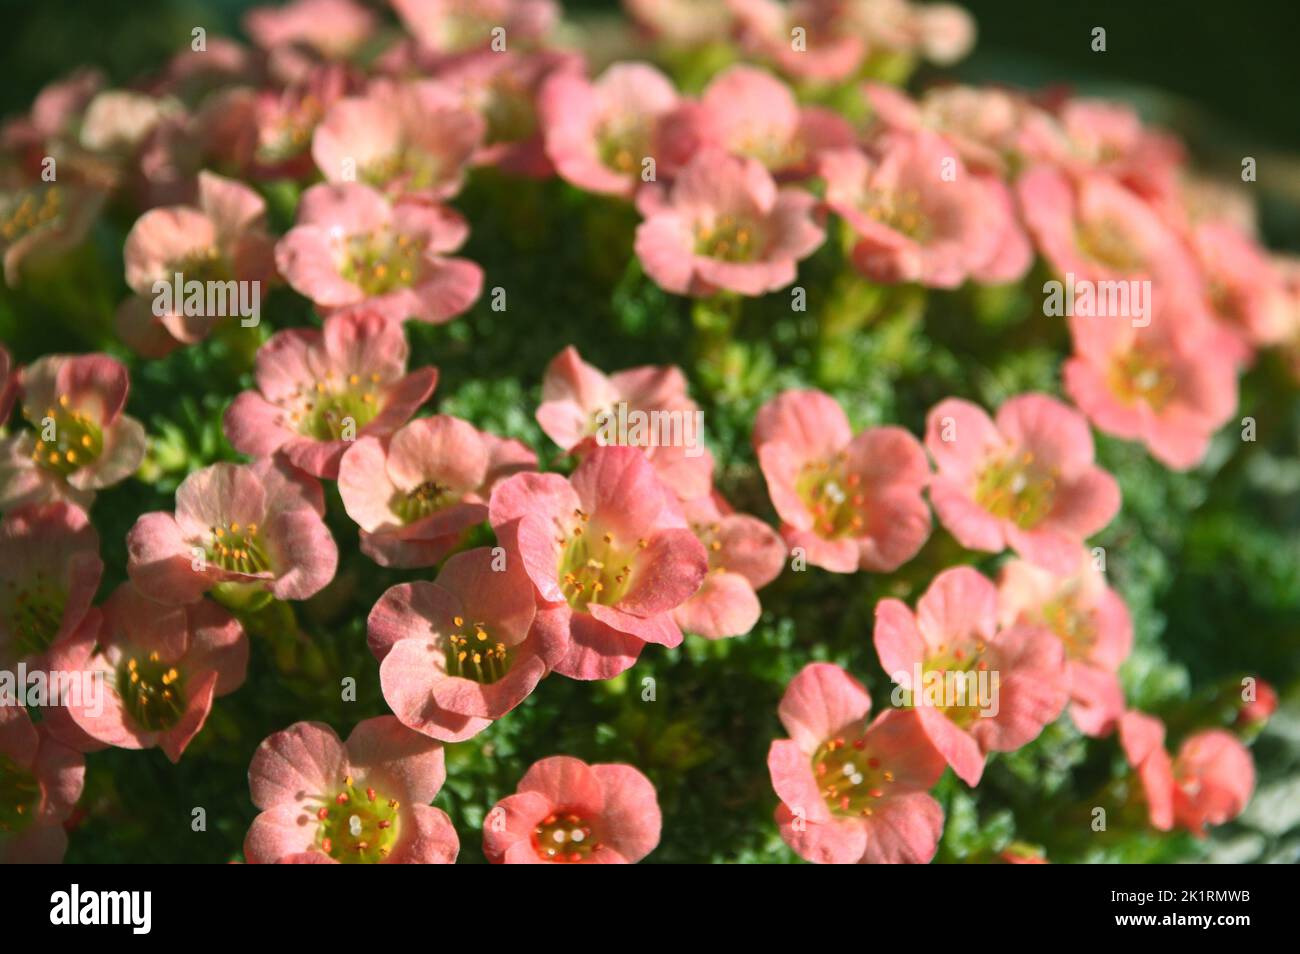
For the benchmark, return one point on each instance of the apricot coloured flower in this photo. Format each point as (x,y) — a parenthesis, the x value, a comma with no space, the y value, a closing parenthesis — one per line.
(608,553)
(1025,480)
(853,790)
(981,688)
(319,391)
(364,801)
(565,811)
(240,531)
(849,502)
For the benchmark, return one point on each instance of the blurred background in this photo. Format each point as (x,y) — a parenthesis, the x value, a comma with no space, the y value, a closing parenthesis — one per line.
(1225,75)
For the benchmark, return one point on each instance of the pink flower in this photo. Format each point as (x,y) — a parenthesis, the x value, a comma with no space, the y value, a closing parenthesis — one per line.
(1095,229)
(156,670)
(190,74)
(981,124)
(748,112)
(223,240)
(849,502)
(724,224)
(598,133)
(238,530)
(49,572)
(1143,739)
(745,554)
(950,643)
(39,222)
(1209,782)
(285,120)
(366,801)
(414,494)
(460,26)
(503,88)
(853,791)
(1025,481)
(1214,778)
(117,121)
(609,554)
(332,28)
(412,139)
(1245,290)
(832,51)
(568,812)
(1170,384)
(919,214)
(318,391)
(458,653)
(845,37)
(1088,136)
(582,408)
(1092,623)
(80,440)
(42,781)
(352,248)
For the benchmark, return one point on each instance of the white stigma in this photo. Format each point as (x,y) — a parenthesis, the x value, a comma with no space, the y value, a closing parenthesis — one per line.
(559,837)
(1018,483)
(577,835)
(856,779)
(834,492)
(354,826)
(849,769)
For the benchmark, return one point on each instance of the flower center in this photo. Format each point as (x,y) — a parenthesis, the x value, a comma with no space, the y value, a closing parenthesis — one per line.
(332,410)
(35,613)
(208,265)
(728,239)
(417,168)
(20,796)
(28,211)
(957,682)
(1138,376)
(833,497)
(622,145)
(289,130)
(901,211)
(707,534)
(593,569)
(67,439)
(379,264)
(1014,489)
(425,499)
(471,653)
(238,547)
(357,827)
(152,692)
(1076,629)
(849,776)
(508,109)
(564,837)
(1107,244)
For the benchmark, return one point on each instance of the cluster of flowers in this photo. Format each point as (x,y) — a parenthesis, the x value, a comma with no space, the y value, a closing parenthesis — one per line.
(735,187)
